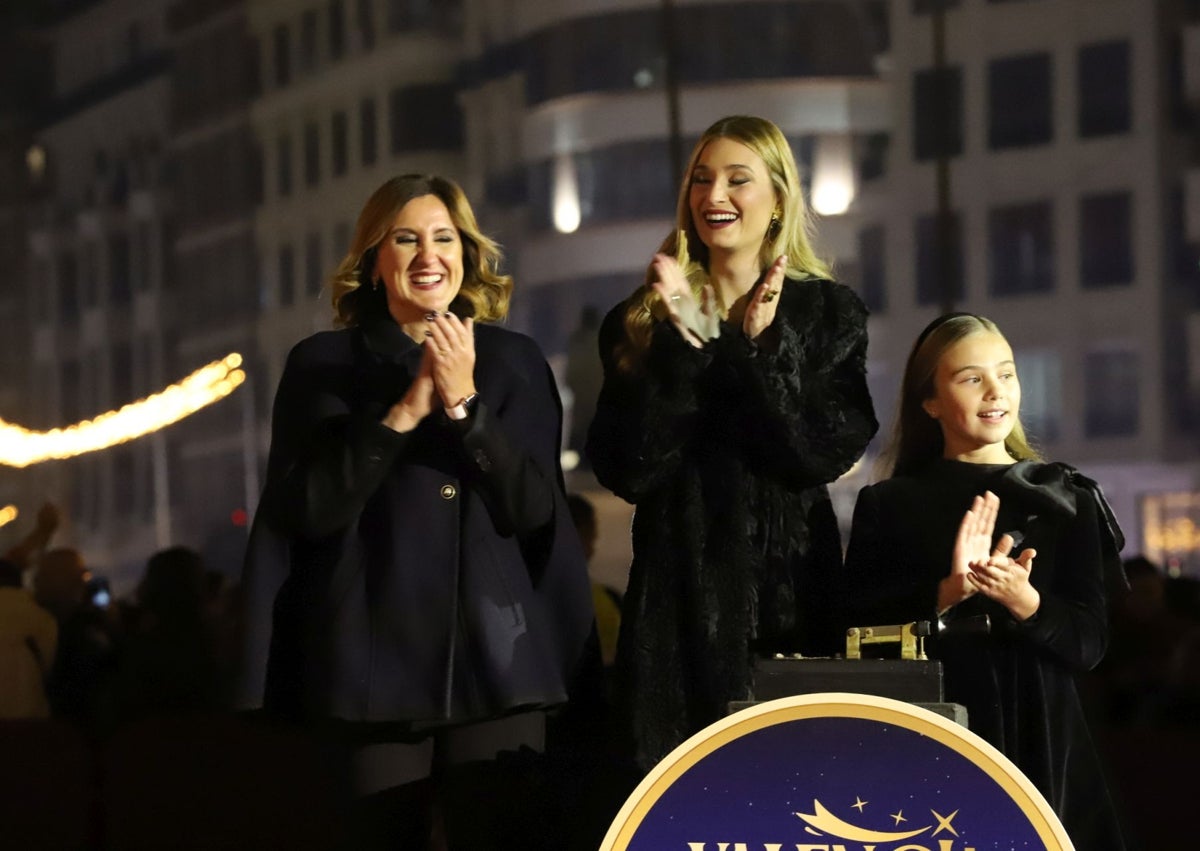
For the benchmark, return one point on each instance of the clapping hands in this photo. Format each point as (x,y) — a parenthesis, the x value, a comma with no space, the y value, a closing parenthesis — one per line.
(696,322)
(977,567)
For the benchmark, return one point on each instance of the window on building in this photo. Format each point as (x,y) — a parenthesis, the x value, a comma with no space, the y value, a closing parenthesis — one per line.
(122,373)
(124,480)
(937,113)
(338,143)
(146,371)
(1111,383)
(622,50)
(89,275)
(287,276)
(144,268)
(365,19)
(1020,101)
(91,398)
(70,409)
(68,286)
(924,7)
(929,261)
(313,271)
(425,118)
(872,264)
(1104,89)
(119,272)
(871,151)
(312,154)
(1106,239)
(368,132)
(1040,374)
(408,14)
(628,180)
(283,60)
(337,29)
(283,174)
(308,40)
(341,239)
(144,498)
(44,294)
(1021,249)
(134,42)
(80,487)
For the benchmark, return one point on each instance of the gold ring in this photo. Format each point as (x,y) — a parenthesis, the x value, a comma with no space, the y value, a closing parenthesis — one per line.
(770,296)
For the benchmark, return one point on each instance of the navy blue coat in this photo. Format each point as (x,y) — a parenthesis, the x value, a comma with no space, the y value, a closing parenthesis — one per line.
(426,577)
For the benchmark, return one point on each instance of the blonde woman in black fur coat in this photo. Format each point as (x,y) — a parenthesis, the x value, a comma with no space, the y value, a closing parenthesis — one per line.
(734,391)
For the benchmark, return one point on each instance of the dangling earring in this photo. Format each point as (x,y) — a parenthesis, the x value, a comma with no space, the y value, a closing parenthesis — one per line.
(775,226)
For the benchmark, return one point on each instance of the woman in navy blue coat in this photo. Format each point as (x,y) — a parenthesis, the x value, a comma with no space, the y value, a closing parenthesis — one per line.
(413,574)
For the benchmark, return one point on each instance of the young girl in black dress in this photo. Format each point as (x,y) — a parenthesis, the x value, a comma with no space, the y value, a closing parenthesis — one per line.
(1030,553)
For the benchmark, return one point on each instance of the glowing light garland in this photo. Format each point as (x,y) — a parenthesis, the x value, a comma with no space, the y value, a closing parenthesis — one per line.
(20,447)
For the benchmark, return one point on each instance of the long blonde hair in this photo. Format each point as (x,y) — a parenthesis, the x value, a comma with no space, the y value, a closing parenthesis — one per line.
(791,233)
(916,437)
(485,292)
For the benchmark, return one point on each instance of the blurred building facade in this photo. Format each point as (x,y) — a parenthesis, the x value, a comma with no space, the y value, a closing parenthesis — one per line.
(580,114)
(1068,135)
(207,158)
(216,163)
(23,181)
(99,255)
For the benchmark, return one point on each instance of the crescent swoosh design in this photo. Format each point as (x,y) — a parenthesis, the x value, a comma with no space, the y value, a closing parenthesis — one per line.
(827,822)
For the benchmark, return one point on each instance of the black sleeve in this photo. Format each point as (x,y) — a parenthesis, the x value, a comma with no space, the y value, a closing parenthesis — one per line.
(327,457)
(1071,623)
(510,447)
(644,416)
(808,391)
(880,584)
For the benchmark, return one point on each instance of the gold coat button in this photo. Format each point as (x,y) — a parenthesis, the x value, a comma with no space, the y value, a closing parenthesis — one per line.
(449,491)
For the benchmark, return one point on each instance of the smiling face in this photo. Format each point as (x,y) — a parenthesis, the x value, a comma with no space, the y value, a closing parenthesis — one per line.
(977,398)
(731,198)
(420,260)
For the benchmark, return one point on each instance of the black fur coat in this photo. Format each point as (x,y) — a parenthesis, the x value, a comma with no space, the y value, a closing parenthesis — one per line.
(726,451)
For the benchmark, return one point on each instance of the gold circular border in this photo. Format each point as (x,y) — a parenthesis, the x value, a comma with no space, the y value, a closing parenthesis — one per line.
(837,705)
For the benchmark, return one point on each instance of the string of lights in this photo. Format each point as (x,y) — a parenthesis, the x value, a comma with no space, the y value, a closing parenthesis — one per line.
(21,447)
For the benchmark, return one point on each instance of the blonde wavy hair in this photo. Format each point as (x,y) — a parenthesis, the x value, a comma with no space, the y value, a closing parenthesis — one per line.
(791,233)
(485,292)
(916,437)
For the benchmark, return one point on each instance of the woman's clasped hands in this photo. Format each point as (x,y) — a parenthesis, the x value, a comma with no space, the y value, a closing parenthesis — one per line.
(446,375)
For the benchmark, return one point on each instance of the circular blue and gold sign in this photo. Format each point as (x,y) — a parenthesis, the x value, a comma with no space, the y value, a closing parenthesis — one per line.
(836,772)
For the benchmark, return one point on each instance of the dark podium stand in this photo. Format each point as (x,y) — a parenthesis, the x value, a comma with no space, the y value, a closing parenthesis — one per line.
(912,678)
(915,681)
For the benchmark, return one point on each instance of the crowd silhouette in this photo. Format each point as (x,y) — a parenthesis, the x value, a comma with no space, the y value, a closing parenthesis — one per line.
(118,727)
